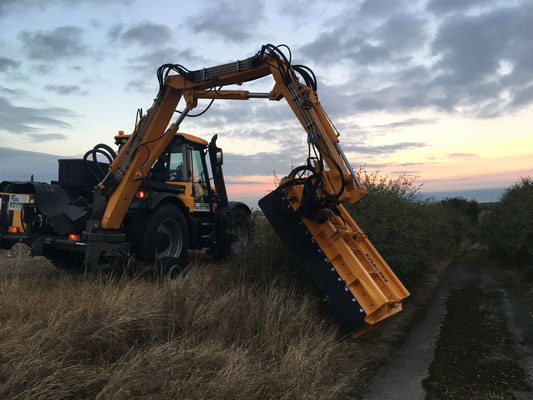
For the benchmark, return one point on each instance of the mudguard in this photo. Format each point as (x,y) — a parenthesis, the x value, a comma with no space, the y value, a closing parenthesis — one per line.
(232,205)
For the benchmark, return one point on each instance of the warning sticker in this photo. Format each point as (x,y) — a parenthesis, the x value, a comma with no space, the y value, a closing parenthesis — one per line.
(204,207)
(17,200)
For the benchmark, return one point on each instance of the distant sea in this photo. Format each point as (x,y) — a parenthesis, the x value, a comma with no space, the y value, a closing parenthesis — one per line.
(480,195)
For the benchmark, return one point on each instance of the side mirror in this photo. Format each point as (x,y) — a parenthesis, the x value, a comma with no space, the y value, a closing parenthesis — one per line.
(215,153)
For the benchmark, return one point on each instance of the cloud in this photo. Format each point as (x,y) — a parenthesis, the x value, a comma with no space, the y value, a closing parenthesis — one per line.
(369,54)
(408,164)
(375,8)
(338,100)
(95,23)
(155,58)
(364,166)
(448,6)
(461,155)
(384,149)
(473,63)
(387,37)
(45,137)
(471,70)
(466,61)
(405,172)
(242,182)
(145,66)
(252,118)
(402,33)
(66,89)
(14,6)
(327,46)
(62,42)
(266,164)
(144,34)
(17,120)
(12,92)
(232,21)
(297,9)
(8,63)
(523,96)
(405,123)
(141,85)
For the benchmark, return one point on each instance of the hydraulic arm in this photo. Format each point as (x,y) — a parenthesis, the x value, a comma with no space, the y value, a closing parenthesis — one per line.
(306,209)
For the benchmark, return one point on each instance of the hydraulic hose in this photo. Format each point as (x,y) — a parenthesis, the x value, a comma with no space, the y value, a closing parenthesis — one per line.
(93,165)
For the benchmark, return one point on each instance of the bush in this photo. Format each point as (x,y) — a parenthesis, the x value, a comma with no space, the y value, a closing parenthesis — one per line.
(408,232)
(470,208)
(508,229)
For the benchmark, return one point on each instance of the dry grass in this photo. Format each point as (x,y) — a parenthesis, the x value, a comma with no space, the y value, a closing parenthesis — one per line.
(212,333)
(250,329)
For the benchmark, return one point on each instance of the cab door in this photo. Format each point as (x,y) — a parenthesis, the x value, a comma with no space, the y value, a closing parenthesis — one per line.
(200,181)
(202,218)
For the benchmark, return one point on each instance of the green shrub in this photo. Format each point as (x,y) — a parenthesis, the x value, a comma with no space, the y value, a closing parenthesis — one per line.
(408,232)
(470,208)
(508,228)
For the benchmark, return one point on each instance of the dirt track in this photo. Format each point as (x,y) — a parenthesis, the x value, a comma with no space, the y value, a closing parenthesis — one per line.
(475,342)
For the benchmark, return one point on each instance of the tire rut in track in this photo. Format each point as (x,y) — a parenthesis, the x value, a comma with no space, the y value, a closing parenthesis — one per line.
(474,357)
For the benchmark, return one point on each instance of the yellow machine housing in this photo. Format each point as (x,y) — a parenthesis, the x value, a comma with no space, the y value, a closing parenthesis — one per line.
(12,204)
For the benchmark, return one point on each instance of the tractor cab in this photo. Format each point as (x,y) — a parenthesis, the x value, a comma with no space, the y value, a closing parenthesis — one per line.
(180,176)
(182,168)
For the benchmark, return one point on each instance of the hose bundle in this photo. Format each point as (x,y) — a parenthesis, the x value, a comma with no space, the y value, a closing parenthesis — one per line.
(93,166)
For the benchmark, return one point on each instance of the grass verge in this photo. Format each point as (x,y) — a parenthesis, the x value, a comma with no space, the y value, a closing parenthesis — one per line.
(253,328)
(209,334)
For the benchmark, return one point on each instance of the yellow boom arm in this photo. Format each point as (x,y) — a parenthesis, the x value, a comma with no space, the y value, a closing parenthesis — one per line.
(306,209)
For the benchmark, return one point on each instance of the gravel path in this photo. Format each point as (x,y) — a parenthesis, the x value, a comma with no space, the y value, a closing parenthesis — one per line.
(501,351)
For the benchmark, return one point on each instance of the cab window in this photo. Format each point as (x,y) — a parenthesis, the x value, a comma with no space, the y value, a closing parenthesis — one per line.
(199,181)
(177,171)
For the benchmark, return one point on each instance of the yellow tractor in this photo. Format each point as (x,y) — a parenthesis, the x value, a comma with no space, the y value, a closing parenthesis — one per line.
(153,201)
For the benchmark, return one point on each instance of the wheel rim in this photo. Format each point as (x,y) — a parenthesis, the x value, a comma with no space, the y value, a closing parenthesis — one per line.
(174,271)
(169,239)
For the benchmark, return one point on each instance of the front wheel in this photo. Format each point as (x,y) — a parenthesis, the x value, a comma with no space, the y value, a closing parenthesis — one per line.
(164,234)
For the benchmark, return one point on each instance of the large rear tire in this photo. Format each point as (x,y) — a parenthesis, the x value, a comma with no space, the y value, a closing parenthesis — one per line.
(160,235)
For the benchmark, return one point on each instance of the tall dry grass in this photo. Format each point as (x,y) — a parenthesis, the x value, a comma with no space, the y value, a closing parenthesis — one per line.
(219,331)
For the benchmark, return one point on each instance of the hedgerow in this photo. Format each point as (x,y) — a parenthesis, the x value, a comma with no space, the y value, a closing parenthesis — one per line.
(508,228)
(409,233)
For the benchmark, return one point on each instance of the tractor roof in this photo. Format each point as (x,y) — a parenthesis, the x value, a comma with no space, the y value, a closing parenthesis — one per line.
(190,138)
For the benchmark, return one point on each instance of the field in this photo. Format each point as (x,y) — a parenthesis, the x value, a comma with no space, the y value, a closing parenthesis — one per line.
(213,333)
(252,328)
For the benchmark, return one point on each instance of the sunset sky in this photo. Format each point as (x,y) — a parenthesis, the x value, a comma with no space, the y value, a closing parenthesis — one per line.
(441,90)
